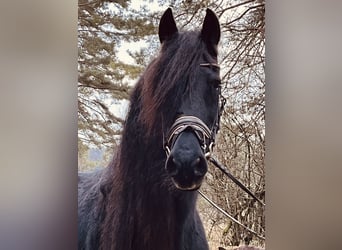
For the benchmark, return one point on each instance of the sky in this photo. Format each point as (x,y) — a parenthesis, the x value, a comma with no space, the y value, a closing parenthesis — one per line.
(136,46)
(120,108)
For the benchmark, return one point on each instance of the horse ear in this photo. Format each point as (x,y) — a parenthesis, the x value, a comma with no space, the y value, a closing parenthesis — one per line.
(167,26)
(211,32)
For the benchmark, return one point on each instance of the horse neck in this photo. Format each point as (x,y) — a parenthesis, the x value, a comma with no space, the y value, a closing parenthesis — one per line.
(152,214)
(149,186)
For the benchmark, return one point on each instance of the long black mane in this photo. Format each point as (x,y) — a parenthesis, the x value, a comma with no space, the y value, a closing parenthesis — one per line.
(133,204)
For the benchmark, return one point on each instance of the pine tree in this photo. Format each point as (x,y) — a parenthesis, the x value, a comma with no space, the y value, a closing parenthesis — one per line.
(104,80)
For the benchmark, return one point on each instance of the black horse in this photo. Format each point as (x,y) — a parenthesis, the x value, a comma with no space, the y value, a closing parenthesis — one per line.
(145,199)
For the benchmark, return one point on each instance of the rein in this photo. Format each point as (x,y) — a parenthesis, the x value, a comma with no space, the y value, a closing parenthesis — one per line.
(236,181)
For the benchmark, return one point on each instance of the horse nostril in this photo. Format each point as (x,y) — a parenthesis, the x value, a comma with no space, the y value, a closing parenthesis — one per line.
(172,166)
(195,162)
(200,166)
(197,167)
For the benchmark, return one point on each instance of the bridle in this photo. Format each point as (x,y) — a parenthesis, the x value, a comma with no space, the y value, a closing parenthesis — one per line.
(205,136)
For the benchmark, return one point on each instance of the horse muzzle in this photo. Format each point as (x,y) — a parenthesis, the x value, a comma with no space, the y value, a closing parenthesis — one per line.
(186,163)
(187,146)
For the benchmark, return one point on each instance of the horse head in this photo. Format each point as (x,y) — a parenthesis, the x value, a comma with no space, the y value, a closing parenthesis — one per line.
(190,139)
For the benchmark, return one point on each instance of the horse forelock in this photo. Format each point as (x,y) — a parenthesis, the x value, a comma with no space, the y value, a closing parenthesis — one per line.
(167,79)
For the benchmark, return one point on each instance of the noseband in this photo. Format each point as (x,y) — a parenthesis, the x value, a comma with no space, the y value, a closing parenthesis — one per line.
(205,136)
(196,125)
